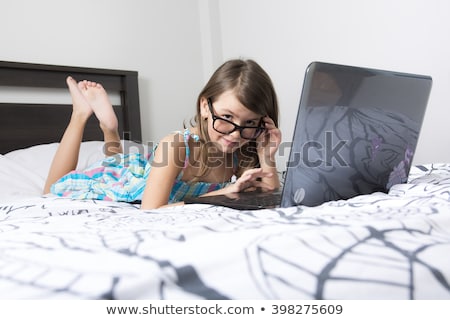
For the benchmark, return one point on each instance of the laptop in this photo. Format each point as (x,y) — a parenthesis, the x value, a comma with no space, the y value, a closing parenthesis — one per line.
(356,132)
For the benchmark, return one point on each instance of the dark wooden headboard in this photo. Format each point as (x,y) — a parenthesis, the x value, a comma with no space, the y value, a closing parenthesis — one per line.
(26,124)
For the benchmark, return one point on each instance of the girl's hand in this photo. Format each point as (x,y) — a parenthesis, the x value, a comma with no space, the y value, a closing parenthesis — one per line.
(250,179)
(269,141)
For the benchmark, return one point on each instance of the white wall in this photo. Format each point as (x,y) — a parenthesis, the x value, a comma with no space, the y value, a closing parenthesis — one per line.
(176,44)
(158,38)
(402,35)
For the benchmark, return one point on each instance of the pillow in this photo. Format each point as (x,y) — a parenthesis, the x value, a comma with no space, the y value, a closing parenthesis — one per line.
(38,158)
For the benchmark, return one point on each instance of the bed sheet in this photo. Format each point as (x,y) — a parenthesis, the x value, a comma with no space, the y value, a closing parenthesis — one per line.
(378,246)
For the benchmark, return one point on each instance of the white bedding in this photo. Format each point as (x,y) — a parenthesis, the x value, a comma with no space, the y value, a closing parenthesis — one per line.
(379,246)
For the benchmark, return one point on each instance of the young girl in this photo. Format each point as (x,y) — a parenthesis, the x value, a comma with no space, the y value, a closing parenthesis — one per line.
(230,146)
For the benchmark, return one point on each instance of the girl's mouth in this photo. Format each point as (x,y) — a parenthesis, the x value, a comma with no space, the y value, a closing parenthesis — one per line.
(229,143)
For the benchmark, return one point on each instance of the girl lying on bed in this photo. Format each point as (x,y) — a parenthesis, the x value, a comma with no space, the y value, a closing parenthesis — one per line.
(230,146)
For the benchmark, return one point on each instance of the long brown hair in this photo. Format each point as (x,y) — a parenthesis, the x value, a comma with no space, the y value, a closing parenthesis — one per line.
(254,89)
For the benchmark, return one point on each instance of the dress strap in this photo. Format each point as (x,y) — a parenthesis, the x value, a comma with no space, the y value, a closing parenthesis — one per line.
(186,136)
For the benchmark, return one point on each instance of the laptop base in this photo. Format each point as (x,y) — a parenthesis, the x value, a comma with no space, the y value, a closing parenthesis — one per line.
(251,200)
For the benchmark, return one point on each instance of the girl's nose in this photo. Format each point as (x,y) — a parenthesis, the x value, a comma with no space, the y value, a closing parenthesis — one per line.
(235,134)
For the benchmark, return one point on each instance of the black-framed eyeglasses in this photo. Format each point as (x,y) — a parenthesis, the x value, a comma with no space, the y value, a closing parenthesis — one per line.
(225,126)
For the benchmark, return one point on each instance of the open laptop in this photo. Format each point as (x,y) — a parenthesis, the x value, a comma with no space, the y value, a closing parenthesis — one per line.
(356,133)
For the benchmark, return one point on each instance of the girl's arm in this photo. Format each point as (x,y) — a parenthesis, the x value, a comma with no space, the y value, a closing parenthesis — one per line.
(267,146)
(167,163)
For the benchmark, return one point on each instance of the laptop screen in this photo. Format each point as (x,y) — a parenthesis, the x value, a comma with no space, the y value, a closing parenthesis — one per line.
(356,132)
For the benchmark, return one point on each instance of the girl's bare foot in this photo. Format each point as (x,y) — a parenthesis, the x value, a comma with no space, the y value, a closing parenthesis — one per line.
(81,107)
(98,99)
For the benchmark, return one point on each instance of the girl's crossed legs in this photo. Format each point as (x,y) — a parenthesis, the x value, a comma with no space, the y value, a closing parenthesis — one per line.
(87,97)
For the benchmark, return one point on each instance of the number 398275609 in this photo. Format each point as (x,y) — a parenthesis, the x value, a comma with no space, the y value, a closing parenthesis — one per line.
(307,309)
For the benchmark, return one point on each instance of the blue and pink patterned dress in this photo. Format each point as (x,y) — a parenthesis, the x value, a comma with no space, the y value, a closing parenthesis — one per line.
(122,177)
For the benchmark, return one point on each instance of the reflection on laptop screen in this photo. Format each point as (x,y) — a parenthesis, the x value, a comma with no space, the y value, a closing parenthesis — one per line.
(356,132)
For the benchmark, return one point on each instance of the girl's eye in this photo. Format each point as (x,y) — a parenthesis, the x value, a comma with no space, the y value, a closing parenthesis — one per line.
(251,123)
(227,116)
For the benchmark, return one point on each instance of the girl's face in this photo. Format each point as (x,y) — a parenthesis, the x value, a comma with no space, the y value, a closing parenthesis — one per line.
(228,107)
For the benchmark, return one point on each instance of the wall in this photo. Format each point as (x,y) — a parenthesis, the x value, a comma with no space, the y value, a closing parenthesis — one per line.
(402,35)
(176,44)
(158,38)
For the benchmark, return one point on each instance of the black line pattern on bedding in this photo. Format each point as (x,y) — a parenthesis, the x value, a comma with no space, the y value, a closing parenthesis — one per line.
(375,246)
(367,248)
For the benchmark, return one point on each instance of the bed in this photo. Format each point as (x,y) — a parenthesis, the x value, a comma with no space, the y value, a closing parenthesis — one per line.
(377,246)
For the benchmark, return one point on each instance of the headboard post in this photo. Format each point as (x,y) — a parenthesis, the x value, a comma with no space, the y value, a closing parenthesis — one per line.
(132,125)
